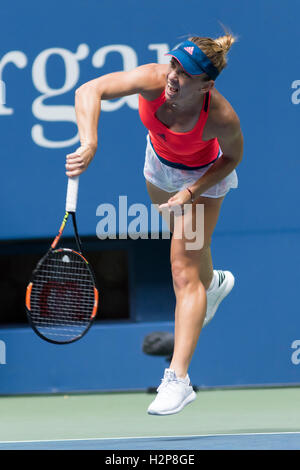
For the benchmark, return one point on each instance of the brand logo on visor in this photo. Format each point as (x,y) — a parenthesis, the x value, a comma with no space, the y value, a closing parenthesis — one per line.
(190,50)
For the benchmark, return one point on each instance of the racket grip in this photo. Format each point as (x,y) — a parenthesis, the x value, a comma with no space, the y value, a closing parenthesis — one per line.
(72,192)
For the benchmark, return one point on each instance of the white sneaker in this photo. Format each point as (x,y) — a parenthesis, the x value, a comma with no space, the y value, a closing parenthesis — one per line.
(173,394)
(216,295)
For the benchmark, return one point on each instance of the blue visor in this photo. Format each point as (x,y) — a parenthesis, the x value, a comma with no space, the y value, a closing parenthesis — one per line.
(193,60)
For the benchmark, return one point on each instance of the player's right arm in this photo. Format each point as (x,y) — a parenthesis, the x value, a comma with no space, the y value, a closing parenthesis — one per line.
(143,79)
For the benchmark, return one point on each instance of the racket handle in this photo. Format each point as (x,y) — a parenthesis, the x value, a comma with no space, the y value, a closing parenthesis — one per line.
(72,192)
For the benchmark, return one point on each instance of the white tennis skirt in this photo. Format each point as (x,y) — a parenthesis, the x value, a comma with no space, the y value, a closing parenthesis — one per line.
(173,179)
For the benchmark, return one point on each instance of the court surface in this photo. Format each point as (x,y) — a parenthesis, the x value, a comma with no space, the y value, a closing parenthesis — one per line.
(218,419)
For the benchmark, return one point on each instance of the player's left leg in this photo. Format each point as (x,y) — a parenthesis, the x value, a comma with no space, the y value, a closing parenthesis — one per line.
(192,272)
(189,269)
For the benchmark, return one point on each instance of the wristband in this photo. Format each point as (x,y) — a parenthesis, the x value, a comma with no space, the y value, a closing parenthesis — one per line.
(192,196)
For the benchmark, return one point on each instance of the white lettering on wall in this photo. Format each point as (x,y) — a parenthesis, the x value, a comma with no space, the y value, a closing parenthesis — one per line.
(57,113)
(161,50)
(2,352)
(2,93)
(296,95)
(17,58)
(295,358)
(47,113)
(130,62)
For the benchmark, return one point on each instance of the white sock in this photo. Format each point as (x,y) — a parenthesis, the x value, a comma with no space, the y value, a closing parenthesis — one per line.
(213,283)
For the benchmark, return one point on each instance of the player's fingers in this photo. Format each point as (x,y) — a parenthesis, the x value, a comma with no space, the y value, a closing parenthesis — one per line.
(75,166)
(74,157)
(170,204)
(74,172)
(164,206)
(77,161)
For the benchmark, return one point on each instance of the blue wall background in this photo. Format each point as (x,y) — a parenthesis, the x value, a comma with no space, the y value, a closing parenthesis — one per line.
(257,237)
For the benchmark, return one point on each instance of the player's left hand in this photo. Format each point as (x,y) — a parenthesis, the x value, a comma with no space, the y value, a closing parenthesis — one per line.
(178,201)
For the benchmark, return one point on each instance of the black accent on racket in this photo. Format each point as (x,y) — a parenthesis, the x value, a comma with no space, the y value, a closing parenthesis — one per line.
(61,297)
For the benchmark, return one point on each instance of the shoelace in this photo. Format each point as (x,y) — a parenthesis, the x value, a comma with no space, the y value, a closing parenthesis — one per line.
(169,380)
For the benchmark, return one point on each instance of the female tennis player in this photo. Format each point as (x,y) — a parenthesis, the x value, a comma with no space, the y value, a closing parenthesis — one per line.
(194,145)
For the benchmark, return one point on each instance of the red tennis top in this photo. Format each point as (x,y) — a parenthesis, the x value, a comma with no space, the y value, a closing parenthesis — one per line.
(179,148)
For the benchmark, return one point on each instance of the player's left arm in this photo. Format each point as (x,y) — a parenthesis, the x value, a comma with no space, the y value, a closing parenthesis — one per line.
(230,137)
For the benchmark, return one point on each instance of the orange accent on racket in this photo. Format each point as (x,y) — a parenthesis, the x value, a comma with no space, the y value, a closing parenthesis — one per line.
(77,253)
(95,303)
(28,294)
(56,239)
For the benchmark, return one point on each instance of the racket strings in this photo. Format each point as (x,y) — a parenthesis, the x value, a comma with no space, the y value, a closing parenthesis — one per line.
(62,297)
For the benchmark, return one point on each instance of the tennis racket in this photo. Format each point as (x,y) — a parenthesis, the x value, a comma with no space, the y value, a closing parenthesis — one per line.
(61,297)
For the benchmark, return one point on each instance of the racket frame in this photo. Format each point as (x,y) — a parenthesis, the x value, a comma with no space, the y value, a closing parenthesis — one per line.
(53,249)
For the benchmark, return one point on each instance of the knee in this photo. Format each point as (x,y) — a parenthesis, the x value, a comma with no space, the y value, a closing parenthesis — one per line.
(184,274)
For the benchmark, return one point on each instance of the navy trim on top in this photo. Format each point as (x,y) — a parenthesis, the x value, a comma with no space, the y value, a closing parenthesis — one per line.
(180,166)
(206,102)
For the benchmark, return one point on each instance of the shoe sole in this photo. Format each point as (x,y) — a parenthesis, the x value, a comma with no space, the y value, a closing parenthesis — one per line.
(191,397)
(229,280)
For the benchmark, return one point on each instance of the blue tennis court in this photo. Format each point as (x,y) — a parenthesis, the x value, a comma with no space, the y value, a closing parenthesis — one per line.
(255,441)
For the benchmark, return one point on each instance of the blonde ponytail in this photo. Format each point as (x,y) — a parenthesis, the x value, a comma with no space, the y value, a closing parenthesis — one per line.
(225,42)
(216,49)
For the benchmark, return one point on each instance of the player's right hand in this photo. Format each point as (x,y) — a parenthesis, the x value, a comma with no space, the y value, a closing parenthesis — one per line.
(77,162)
